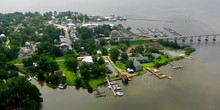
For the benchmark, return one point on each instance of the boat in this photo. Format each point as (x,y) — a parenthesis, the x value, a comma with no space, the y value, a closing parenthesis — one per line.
(117,88)
(29,79)
(169,77)
(155,70)
(119,93)
(163,76)
(176,67)
(112,82)
(61,86)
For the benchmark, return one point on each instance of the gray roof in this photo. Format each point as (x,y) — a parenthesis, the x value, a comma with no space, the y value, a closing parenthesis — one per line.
(136,63)
(59,73)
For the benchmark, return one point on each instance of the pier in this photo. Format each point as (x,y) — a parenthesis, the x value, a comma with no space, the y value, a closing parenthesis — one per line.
(142,31)
(110,86)
(159,75)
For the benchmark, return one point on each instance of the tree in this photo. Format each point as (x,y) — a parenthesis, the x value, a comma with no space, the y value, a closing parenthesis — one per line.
(71,62)
(104,51)
(85,32)
(114,53)
(40,75)
(139,49)
(124,56)
(123,47)
(101,61)
(129,64)
(128,28)
(103,42)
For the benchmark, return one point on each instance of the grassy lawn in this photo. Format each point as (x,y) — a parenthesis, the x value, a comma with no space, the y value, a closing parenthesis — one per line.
(14,61)
(140,72)
(70,75)
(151,64)
(95,82)
(21,60)
(137,42)
(120,65)
(163,59)
(60,58)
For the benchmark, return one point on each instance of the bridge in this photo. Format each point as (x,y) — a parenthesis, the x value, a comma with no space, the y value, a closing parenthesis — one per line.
(183,38)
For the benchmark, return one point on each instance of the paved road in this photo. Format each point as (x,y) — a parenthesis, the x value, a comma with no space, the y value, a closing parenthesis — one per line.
(66,35)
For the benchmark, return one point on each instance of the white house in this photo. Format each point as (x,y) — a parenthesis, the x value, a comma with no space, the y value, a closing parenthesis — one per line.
(86,59)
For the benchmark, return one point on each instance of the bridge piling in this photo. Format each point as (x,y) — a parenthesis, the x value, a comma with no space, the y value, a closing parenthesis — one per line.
(214,38)
(199,38)
(207,38)
(191,39)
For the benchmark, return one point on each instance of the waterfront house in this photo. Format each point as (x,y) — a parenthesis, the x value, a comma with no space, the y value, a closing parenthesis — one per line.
(137,66)
(115,34)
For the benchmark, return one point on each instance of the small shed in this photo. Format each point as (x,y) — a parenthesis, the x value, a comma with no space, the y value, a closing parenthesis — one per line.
(124,78)
(59,73)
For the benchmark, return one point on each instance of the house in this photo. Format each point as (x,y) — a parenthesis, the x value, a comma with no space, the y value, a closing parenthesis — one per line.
(141,59)
(86,59)
(59,73)
(157,56)
(83,53)
(90,25)
(137,65)
(115,34)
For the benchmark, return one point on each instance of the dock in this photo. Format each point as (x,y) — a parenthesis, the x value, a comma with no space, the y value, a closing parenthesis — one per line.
(159,75)
(110,86)
(172,31)
(142,30)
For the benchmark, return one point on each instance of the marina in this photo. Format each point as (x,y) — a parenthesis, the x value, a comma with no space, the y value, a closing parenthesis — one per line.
(172,31)
(116,90)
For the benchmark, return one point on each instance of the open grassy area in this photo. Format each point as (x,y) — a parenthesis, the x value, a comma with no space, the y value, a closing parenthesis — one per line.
(120,65)
(140,72)
(21,60)
(163,59)
(14,61)
(137,42)
(60,58)
(70,75)
(151,64)
(95,82)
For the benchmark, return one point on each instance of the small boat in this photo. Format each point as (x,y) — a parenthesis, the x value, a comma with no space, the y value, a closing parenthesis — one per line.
(169,77)
(109,86)
(112,82)
(61,86)
(155,70)
(29,79)
(117,88)
(119,93)
(163,76)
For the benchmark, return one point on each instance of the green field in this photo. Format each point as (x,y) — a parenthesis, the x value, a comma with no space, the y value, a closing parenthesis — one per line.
(95,82)
(70,75)
(60,58)
(137,42)
(120,65)
(148,64)
(14,61)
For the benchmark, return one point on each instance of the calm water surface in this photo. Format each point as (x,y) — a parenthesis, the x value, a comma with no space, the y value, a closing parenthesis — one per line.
(195,87)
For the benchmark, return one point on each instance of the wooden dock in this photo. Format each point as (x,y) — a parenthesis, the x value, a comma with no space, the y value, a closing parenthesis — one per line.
(159,75)
(110,86)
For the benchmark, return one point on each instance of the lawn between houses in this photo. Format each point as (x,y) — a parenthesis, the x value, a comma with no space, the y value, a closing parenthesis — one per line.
(71,76)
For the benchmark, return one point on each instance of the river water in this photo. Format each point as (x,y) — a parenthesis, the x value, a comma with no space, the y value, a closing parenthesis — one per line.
(195,87)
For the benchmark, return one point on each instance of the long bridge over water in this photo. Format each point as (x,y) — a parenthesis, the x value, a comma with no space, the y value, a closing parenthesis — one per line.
(183,38)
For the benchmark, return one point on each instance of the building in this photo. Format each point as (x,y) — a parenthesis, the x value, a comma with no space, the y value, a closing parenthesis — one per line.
(90,25)
(157,56)
(130,70)
(62,39)
(59,73)
(27,44)
(115,34)
(141,59)
(86,59)
(137,65)
(125,78)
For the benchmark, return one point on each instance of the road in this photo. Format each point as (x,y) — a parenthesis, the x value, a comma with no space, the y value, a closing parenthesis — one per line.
(67,36)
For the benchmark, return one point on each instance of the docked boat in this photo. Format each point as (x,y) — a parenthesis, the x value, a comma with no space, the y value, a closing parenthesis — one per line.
(119,93)
(176,67)
(61,86)
(29,79)
(112,82)
(117,88)
(169,77)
